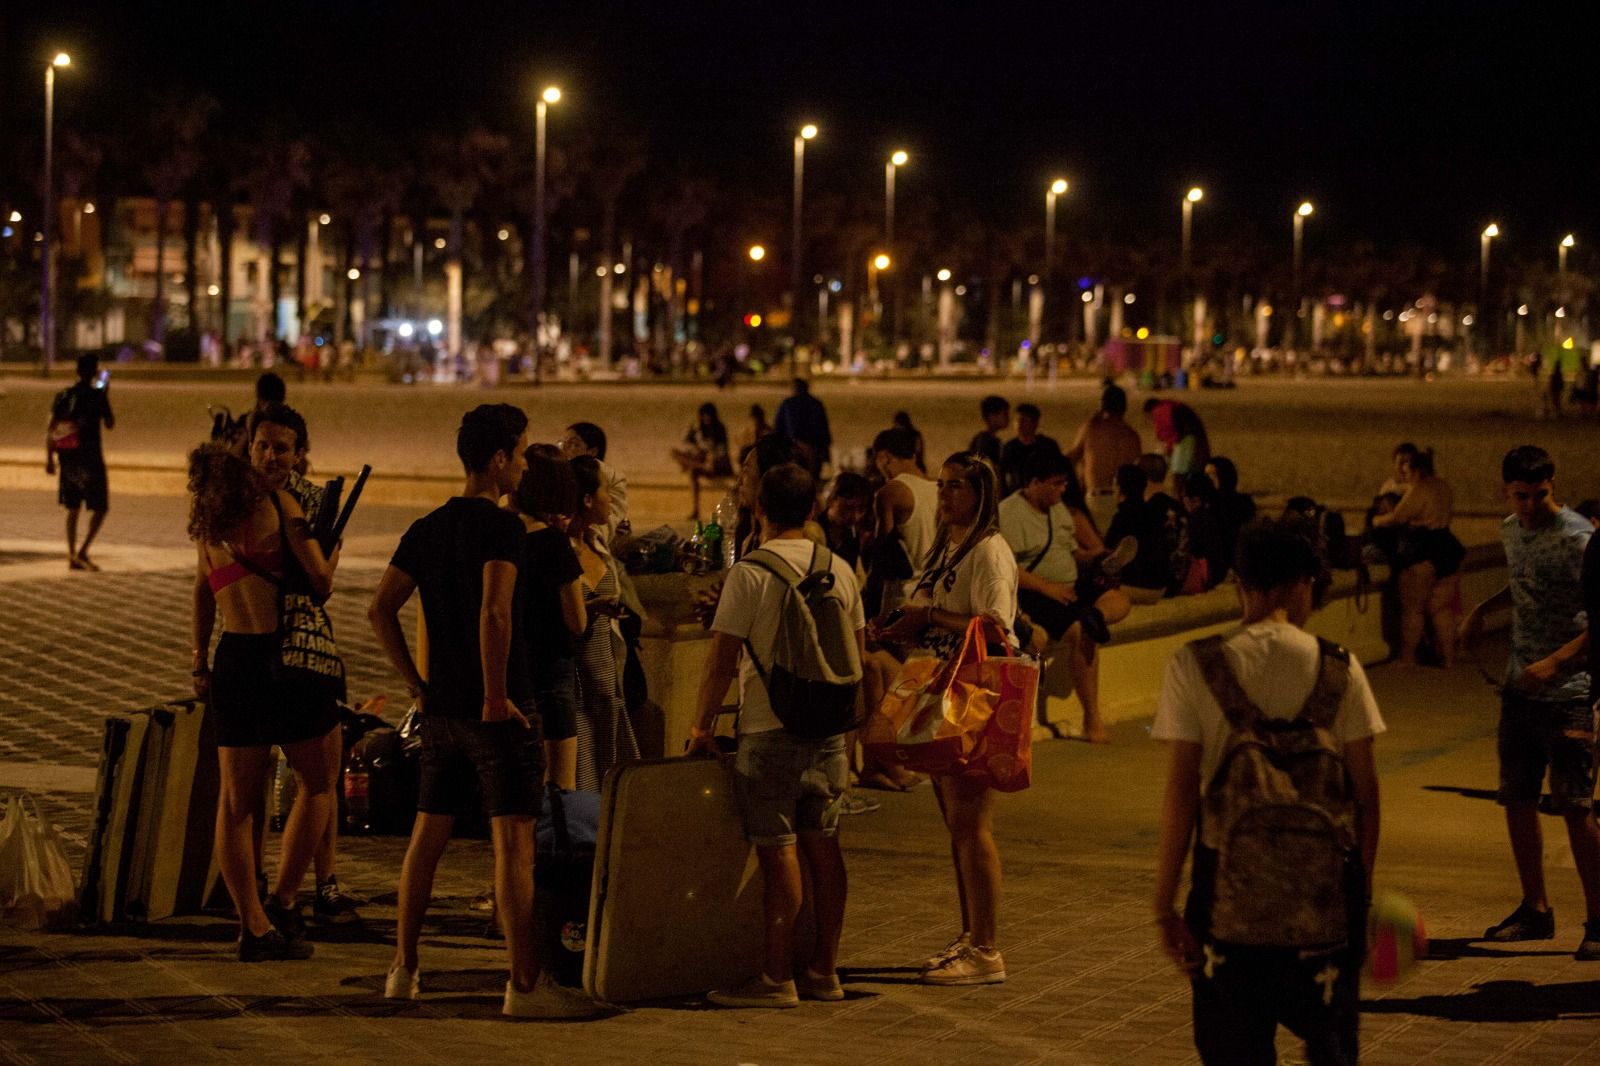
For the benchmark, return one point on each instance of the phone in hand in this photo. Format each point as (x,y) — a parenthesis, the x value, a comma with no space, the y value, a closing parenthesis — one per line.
(102,379)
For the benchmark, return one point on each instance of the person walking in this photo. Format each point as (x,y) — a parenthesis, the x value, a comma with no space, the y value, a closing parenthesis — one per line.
(1547,722)
(1270,935)
(73,441)
(463,558)
(803,419)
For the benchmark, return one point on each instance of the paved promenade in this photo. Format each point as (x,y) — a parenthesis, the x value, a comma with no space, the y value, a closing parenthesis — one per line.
(1087,983)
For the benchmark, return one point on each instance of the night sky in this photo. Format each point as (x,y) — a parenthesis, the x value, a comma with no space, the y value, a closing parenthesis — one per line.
(1404,122)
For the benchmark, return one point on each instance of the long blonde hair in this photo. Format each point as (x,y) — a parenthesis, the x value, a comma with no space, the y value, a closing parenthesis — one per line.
(976,472)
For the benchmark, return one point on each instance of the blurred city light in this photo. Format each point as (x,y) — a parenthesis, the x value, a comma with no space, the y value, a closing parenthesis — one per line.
(1088,297)
(88,208)
(504,234)
(61,60)
(353,274)
(1143,333)
(961,290)
(1522,309)
(438,242)
(1491,230)
(1195,195)
(808,131)
(213,290)
(880,261)
(619,268)
(324,219)
(1129,299)
(757,253)
(1305,209)
(944,275)
(435,327)
(406,330)
(1033,279)
(899,158)
(16,216)
(1568,241)
(1058,186)
(552,95)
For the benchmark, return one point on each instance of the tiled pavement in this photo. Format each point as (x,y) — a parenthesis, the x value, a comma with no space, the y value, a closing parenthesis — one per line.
(1086,982)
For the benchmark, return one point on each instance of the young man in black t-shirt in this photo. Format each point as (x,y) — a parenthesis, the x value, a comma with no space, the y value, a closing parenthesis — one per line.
(463,559)
(73,437)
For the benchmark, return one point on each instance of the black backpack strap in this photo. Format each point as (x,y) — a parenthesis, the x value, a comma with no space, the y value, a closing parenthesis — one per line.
(1240,711)
(778,567)
(1333,680)
(1049,539)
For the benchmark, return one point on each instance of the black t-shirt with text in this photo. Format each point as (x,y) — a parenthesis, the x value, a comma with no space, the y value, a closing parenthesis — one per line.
(444,552)
(548,565)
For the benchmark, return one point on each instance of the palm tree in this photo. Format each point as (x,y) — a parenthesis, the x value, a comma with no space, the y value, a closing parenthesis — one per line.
(277,168)
(611,164)
(174,125)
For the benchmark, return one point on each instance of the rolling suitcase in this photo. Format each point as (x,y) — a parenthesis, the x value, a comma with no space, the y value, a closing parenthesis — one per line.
(675,908)
(150,846)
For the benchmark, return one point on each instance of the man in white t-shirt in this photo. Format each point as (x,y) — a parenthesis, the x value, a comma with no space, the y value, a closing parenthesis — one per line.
(1243,993)
(790,787)
(1057,594)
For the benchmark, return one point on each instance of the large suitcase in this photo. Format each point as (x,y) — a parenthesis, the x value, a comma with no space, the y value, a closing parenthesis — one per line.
(675,907)
(150,847)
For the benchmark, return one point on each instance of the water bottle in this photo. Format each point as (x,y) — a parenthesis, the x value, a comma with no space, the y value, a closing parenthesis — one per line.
(711,545)
(726,518)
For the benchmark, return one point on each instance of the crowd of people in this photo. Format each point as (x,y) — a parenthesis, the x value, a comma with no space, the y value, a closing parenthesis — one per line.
(527,609)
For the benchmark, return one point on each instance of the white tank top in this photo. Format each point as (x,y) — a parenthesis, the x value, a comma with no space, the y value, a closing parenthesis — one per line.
(917,531)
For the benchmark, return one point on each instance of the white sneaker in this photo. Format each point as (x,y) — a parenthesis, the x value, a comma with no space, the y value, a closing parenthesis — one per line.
(549,1001)
(972,965)
(758,992)
(402,983)
(951,950)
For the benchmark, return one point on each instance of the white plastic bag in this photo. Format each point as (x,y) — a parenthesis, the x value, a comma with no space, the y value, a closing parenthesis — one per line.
(36,884)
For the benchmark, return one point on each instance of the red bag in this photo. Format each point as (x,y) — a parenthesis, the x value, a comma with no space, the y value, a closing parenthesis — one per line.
(968,714)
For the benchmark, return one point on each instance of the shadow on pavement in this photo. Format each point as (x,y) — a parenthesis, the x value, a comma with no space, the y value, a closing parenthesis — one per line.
(51,1010)
(1472,947)
(1501,1001)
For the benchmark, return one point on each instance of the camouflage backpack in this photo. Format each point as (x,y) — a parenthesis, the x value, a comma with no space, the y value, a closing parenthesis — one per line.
(1276,858)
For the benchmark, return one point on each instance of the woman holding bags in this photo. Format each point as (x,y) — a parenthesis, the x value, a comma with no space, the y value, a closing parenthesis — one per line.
(259,565)
(970,573)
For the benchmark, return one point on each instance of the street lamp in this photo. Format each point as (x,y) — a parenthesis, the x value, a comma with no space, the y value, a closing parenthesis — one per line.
(1057,188)
(807,132)
(1301,213)
(1192,197)
(898,159)
(47,325)
(757,253)
(1490,232)
(551,95)
(1561,253)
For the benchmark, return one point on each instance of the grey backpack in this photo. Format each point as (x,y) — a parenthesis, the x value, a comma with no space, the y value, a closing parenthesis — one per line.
(1276,858)
(815,671)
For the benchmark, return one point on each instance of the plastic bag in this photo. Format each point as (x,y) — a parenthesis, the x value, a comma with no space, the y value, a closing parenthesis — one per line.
(36,885)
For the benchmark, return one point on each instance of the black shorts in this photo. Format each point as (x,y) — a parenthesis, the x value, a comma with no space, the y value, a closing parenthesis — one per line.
(252,707)
(1536,735)
(506,758)
(1055,617)
(84,484)
(555,695)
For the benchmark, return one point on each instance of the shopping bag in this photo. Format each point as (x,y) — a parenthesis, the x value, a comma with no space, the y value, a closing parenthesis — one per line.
(36,888)
(1002,758)
(932,717)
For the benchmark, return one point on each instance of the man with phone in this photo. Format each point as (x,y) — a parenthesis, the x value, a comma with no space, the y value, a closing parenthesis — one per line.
(73,439)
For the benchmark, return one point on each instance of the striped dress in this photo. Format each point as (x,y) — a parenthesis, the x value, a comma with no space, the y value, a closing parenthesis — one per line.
(605,735)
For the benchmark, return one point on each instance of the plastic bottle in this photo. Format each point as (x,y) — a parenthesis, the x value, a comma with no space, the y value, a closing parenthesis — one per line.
(726,518)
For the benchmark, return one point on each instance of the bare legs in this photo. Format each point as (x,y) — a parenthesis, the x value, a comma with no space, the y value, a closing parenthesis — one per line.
(969,816)
(561,762)
(78,556)
(328,847)
(243,777)
(1527,848)
(1416,582)
(315,774)
(429,836)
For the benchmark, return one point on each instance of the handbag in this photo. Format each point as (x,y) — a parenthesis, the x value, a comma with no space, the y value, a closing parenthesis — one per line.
(308,658)
(64,428)
(968,714)
(36,884)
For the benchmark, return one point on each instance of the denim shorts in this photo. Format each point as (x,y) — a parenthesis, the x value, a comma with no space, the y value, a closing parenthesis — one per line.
(1536,735)
(788,785)
(556,696)
(505,758)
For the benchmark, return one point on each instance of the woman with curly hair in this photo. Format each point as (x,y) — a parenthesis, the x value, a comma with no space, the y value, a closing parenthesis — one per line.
(248,539)
(969,572)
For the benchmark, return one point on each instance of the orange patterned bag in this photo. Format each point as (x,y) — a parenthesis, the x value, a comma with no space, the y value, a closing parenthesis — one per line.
(968,714)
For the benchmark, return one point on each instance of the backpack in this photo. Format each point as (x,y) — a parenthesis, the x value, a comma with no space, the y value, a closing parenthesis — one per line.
(1329,524)
(64,427)
(1276,856)
(815,671)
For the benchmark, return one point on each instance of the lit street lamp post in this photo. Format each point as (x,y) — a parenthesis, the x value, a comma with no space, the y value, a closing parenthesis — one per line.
(1301,213)
(807,132)
(1057,188)
(550,96)
(1561,257)
(47,325)
(1190,198)
(897,159)
(1490,232)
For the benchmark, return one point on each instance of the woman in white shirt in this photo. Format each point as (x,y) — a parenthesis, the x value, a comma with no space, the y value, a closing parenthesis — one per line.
(969,572)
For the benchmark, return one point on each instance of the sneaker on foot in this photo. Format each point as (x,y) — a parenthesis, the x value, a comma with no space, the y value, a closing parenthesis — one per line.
(271,946)
(825,987)
(1524,923)
(1589,947)
(1094,625)
(287,920)
(332,905)
(948,952)
(757,992)
(855,803)
(549,1001)
(1119,557)
(402,983)
(972,965)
